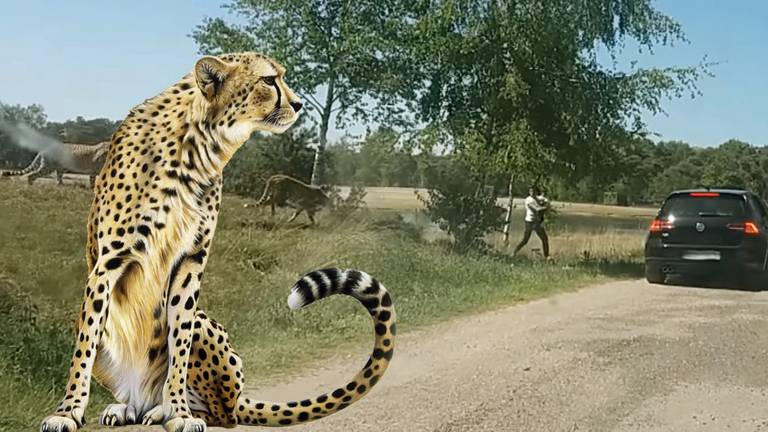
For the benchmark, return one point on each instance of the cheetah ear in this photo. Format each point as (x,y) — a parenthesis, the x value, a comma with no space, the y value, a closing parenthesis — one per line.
(210,74)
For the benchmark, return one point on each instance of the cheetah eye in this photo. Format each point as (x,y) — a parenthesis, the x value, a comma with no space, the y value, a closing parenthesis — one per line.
(269,80)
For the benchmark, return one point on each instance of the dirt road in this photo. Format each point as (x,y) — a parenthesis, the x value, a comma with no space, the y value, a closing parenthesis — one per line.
(620,357)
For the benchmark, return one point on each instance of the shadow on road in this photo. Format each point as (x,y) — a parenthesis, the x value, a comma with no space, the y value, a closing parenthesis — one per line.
(622,269)
(722,282)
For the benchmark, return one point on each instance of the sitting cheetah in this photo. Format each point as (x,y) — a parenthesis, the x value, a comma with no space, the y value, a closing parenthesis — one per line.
(156,201)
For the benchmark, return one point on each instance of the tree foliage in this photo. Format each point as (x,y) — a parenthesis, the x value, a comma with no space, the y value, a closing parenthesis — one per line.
(378,159)
(649,171)
(350,50)
(82,131)
(79,130)
(518,84)
(642,171)
(33,116)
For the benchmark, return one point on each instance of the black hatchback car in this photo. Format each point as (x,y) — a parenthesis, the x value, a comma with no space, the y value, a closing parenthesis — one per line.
(708,234)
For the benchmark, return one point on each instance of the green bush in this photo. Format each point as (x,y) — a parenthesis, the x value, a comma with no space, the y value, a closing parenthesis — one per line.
(343,207)
(462,209)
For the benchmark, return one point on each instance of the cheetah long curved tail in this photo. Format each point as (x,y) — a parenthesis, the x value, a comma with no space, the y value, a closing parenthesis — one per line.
(33,166)
(312,287)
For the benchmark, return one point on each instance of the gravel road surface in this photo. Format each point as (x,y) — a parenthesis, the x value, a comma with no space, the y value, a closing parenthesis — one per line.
(625,356)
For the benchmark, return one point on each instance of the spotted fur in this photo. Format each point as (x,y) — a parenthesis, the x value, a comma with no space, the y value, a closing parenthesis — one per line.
(140,332)
(69,158)
(285,191)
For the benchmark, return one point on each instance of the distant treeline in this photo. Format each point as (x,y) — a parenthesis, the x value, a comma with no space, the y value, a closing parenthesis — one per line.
(647,171)
(644,173)
(79,131)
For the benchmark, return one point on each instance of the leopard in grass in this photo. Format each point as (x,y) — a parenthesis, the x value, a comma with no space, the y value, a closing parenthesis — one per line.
(285,191)
(67,158)
(140,332)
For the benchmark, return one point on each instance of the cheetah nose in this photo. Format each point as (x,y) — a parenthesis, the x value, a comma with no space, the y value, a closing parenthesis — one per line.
(297,106)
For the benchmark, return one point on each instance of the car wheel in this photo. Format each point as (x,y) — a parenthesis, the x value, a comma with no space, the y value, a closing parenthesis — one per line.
(654,276)
(757,281)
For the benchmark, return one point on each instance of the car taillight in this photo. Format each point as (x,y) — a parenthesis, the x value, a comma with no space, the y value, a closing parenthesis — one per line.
(659,225)
(749,227)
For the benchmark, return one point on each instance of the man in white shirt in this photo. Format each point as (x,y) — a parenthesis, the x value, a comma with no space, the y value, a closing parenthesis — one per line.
(535,206)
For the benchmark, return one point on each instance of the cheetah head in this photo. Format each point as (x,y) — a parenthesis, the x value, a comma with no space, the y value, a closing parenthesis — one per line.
(246,92)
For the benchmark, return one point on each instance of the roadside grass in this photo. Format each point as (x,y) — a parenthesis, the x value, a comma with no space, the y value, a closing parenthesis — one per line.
(572,237)
(600,243)
(254,261)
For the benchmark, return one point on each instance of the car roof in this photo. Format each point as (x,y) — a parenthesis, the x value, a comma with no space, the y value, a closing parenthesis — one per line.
(731,191)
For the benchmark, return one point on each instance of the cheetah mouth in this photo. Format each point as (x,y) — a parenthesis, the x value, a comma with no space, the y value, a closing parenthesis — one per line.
(277,126)
(280,117)
(284,123)
(279,121)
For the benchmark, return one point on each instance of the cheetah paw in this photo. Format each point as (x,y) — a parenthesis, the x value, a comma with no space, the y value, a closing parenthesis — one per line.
(118,415)
(179,424)
(153,416)
(64,422)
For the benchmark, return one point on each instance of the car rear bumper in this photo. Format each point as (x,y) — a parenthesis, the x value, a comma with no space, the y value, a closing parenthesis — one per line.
(700,268)
(733,261)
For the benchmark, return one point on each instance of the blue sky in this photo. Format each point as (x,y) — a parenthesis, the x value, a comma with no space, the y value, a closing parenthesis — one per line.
(99,59)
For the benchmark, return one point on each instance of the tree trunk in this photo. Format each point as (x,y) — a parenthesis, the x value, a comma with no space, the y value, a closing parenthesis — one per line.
(508,217)
(325,118)
(317,164)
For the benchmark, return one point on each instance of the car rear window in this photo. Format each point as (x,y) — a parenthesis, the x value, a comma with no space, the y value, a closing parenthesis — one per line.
(725,205)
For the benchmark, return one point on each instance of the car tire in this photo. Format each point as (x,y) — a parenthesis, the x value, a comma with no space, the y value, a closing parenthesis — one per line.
(757,282)
(654,276)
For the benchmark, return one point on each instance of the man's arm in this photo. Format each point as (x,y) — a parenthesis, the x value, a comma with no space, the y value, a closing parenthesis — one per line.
(534,205)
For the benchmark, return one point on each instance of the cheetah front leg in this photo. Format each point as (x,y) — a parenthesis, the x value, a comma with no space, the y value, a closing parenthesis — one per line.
(183,293)
(295,215)
(70,413)
(118,415)
(311,216)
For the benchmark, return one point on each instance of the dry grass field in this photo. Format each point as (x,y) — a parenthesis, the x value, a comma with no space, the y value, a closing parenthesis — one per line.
(579,231)
(404,199)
